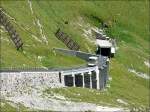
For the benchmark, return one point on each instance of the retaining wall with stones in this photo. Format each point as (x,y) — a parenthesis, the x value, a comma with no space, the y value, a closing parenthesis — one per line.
(21,82)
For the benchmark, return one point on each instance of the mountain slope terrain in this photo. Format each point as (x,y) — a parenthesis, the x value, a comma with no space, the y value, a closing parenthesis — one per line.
(128,22)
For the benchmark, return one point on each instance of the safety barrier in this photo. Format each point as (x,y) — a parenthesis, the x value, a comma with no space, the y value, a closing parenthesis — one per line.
(67,40)
(11,30)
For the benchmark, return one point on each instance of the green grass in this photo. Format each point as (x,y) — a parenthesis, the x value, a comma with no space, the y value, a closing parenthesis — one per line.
(124,85)
(129,24)
(7,107)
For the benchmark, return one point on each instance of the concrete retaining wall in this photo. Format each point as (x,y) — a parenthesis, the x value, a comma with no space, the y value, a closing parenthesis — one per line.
(82,55)
(85,56)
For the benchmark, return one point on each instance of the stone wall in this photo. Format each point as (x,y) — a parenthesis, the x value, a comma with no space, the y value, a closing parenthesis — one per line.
(21,82)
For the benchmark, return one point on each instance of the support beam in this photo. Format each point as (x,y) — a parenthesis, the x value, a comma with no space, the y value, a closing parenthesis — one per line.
(83,79)
(73,75)
(90,73)
(97,78)
(62,79)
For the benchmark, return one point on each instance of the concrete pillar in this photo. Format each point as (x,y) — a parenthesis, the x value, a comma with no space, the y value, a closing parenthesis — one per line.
(97,78)
(83,79)
(107,62)
(90,73)
(62,79)
(74,83)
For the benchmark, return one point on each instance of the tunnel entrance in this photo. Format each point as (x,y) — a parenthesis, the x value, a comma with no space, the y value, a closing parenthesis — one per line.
(105,51)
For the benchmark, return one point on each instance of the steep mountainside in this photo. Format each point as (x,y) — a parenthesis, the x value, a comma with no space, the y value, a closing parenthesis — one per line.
(37,21)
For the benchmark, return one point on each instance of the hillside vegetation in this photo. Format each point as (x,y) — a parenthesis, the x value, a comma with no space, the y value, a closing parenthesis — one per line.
(37,21)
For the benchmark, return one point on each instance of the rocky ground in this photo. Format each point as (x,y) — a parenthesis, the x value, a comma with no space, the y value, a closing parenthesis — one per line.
(28,91)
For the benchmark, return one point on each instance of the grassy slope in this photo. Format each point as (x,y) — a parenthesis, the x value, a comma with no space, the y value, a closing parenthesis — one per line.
(130,29)
(32,47)
(6,107)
